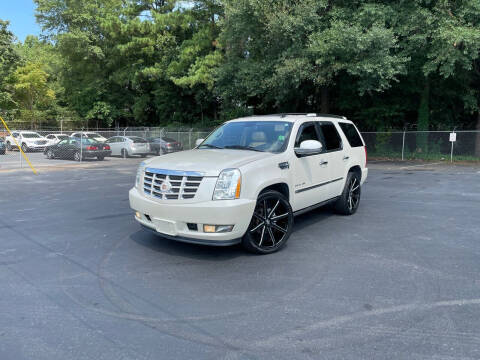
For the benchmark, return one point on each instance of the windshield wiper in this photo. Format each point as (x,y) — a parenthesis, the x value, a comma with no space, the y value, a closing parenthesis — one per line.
(240,147)
(211,146)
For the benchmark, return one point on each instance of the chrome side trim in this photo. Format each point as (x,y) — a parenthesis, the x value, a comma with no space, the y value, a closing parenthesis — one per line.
(174,172)
(318,185)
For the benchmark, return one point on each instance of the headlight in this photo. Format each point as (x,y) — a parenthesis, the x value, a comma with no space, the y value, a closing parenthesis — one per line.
(140,171)
(228,185)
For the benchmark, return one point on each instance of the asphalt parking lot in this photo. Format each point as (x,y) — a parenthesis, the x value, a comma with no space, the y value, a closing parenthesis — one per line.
(398,280)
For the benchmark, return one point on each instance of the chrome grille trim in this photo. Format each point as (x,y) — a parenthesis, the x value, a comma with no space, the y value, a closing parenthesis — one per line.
(184,184)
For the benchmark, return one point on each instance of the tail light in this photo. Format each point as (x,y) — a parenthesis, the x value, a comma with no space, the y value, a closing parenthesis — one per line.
(169,145)
(106,147)
(365,155)
(92,148)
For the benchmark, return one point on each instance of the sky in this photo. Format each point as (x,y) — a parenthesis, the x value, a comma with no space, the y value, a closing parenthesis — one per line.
(20,14)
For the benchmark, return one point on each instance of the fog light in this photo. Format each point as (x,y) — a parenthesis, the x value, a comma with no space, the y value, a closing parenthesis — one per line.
(138,215)
(209,228)
(217,228)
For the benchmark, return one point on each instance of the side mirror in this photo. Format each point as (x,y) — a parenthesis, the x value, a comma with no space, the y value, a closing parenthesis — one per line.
(198,141)
(309,147)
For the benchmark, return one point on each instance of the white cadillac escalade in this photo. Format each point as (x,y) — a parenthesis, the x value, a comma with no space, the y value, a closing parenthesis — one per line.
(248,179)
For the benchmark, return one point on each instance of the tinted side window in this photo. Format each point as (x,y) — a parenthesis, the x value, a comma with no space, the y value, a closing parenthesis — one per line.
(307,132)
(351,134)
(332,139)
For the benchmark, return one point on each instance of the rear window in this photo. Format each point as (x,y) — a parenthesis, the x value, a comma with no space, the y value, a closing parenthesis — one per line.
(351,134)
(30,135)
(137,139)
(169,139)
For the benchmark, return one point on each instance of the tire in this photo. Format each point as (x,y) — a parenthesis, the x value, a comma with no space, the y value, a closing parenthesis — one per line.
(350,198)
(157,152)
(77,156)
(100,158)
(50,154)
(124,153)
(272,217)
(24,148)
(9,146)
(143,155)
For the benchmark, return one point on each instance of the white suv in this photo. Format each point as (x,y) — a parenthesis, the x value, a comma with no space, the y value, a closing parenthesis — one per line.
(28,140)
(248,179)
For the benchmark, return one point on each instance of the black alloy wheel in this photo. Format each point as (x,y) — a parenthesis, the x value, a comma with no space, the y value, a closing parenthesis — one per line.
(271,224)
(348,202)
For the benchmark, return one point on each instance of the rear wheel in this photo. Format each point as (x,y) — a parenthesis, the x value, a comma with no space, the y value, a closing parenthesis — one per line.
(100,158)
(157,152)
(9,146)
(50,154)
(77,156)
(124,153)
(350,198)
(271,224)
(143,155)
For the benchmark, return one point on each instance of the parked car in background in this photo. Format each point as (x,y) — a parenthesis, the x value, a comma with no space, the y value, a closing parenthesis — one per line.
(126,146)
(27,140)
(71,149)
(3,147)
(54,139)
(164,145)
(89,135)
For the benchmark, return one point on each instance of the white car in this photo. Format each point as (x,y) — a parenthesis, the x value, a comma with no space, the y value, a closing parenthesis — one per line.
(248,179)
(54,139)
(128,145)
(27,140)
(89,135)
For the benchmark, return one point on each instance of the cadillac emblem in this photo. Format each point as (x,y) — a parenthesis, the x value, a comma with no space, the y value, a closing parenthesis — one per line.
(166,187)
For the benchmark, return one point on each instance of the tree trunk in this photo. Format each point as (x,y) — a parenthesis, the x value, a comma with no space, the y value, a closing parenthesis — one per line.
(325,108)
(477,138)
(423,119)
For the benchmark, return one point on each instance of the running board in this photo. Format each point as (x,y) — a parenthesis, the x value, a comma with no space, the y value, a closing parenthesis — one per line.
(312,207)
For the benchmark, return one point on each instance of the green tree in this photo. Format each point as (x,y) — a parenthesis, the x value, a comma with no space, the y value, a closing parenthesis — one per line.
(8,61)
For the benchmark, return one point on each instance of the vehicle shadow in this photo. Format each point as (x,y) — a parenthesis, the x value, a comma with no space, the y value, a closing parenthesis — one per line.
(177,248)
(316,216)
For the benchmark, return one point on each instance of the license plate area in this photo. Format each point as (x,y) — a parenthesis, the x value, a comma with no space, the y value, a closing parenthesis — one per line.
(165,226)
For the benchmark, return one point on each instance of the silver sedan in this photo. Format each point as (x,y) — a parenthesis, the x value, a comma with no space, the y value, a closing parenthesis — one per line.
(126,146)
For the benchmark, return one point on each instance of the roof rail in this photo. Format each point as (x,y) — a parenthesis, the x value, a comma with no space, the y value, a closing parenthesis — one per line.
(316,114)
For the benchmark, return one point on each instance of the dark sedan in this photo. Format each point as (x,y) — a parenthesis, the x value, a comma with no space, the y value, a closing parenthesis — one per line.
(71,149)
(3,147)
(164,145)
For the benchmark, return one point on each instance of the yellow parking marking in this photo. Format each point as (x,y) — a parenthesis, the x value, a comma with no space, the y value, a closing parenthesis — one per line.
(19,148)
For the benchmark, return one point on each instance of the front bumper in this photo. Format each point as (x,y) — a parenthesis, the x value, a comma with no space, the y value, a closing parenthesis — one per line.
(170,219)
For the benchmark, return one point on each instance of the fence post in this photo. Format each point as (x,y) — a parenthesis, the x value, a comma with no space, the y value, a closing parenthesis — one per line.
(81,146)
(403,144)
(190,139)
(451,150)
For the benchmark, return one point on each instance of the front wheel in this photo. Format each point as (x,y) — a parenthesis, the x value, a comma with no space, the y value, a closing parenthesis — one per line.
(271,224)
(50,154)
(124,153)
(24,148)
(9,146)
(348,202)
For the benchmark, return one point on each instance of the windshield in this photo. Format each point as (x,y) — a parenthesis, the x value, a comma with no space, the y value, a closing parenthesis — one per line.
(271,136)
(62,137)
(30,135)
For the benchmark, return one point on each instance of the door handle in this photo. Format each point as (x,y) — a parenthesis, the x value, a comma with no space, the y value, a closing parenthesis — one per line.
(322,163)
(346,157)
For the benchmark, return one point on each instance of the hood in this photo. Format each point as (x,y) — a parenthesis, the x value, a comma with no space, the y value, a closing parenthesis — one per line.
(210,162)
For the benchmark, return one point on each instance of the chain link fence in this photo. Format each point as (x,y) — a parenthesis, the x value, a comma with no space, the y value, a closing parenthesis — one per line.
(52,147)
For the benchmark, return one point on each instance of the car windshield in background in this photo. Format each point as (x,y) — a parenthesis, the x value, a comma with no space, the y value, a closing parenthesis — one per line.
(137,139)
(30,135)
(88,141)
(92,135)
(62,137)
(270,136)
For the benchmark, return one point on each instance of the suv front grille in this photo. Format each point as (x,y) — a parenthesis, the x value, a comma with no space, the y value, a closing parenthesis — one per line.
(179,185)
